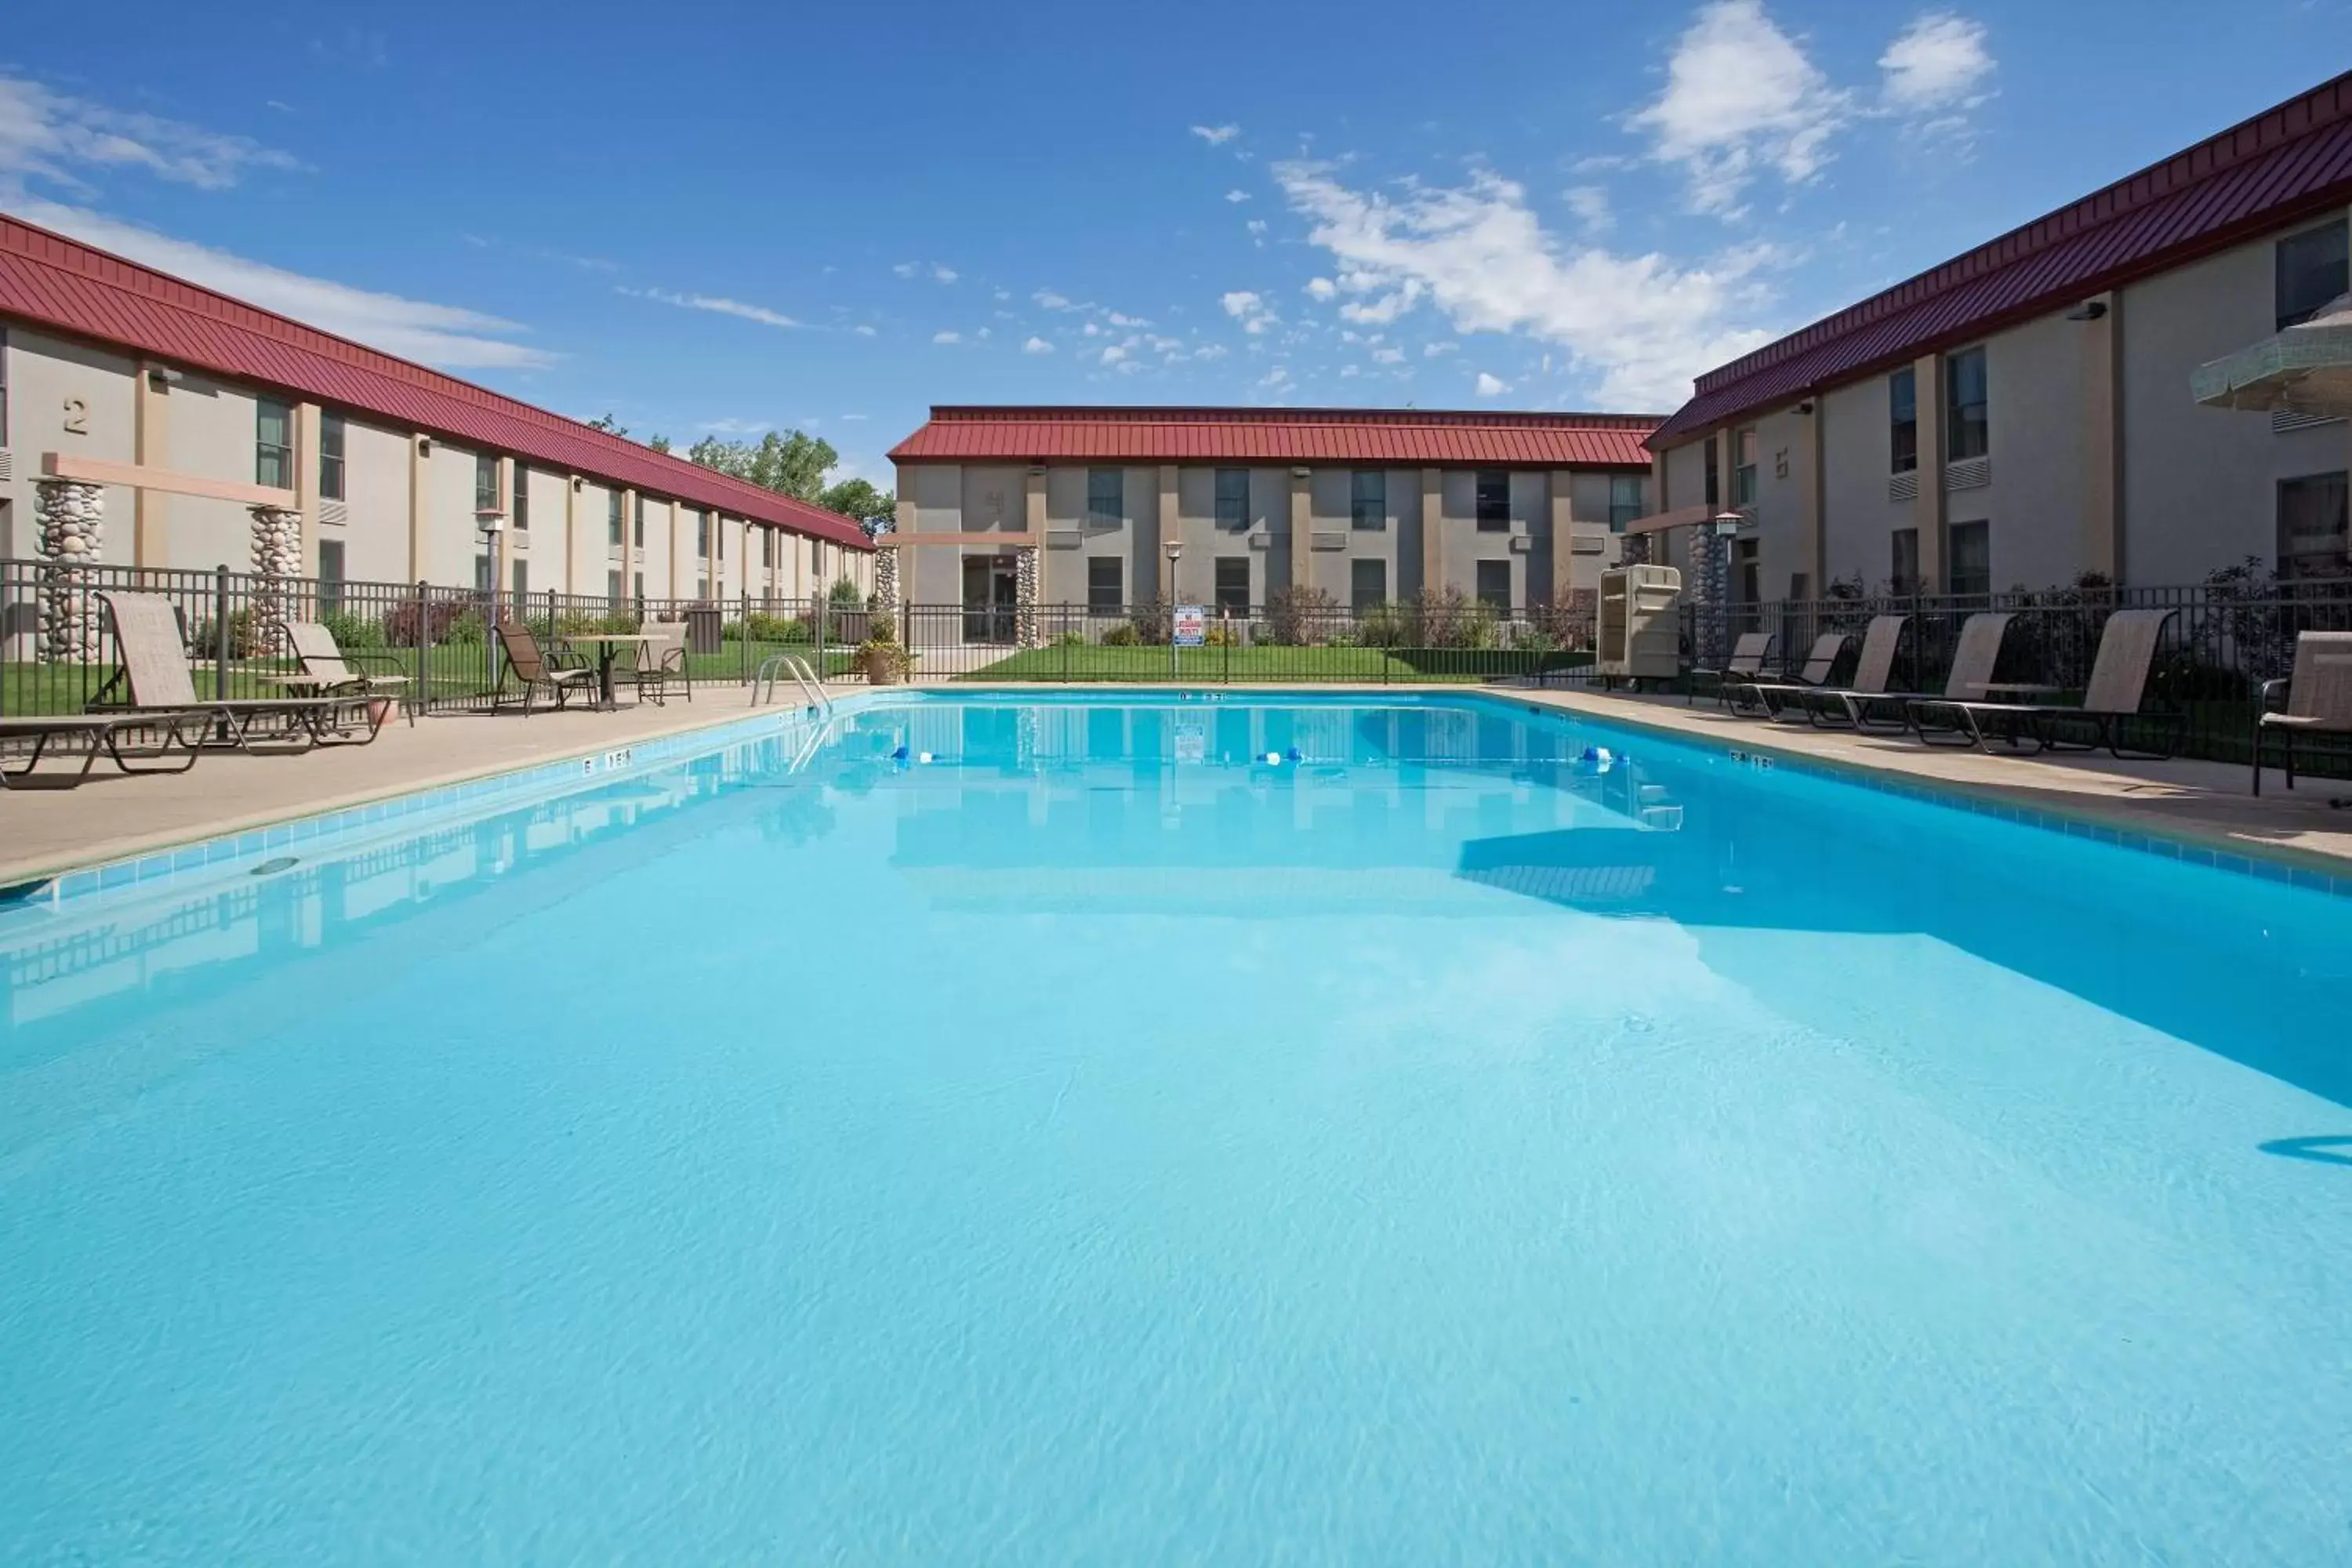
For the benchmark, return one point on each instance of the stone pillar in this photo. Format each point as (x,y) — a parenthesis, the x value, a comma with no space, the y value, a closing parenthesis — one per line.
(72,520)
(885,578)
(276,559)
(1701,592)
(1633,550)
(1024,596)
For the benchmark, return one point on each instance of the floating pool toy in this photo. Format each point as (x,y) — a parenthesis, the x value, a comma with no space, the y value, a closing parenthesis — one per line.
(1274,759)
(923,757)
(899,755)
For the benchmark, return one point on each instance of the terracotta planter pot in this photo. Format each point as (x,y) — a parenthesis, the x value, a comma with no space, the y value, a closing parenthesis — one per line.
(882,669)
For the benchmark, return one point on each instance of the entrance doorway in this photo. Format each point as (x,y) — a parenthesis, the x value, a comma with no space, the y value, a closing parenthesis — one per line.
(988,594)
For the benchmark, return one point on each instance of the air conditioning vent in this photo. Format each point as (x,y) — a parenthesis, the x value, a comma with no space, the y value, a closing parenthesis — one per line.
(1065,537)
(1904,487)
(334,513)
(2282,421)
(1330,539)
(1523,544)
(1968,474)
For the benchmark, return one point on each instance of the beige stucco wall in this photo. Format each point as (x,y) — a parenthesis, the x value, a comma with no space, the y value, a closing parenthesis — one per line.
(1860,520)
(376,492)
(44,373)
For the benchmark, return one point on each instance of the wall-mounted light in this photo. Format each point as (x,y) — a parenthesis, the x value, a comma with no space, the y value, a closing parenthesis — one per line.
(1036,466)
(2090,310)
(578,484)
(1726,523)
(1300,473)
(1806,407)
(162,378)
(425,445)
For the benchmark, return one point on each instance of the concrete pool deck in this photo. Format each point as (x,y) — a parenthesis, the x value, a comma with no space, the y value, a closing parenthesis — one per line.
(43,833)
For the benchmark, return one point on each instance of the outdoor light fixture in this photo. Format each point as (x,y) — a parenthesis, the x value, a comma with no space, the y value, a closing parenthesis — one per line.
(2090,312)
(1300,473)
(425,445)
(1726,523)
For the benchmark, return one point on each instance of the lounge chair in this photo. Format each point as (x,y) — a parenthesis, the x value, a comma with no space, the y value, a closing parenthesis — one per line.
(101,733)
(1778,697)
(661,665)
(328,671)
(152,674)
(1747,661)
(537,672)
(2128,645)
(2318,697)
(1842,707)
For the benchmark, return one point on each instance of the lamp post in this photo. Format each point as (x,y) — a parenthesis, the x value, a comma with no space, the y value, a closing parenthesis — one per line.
(491,522)
(1725,526)
(1175,548)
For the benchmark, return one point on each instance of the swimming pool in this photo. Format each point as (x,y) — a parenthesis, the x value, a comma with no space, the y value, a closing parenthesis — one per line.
(1135,1128)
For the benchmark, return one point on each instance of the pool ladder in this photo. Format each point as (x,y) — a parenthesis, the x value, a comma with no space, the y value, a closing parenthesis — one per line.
(770,680)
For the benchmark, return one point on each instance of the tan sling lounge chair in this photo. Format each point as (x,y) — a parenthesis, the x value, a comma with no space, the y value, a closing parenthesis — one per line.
(2318,698)
(1971,674)
(152,675)
(1777,698)
(661,664)
(2128,645)
(1746,663)
(328,671)
(101,733)
(536,671)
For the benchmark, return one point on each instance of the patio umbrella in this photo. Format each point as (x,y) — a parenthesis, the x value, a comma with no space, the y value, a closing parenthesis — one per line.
(2306,369)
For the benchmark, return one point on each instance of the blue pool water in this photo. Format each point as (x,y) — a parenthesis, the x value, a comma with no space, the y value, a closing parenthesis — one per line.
(1101,1144)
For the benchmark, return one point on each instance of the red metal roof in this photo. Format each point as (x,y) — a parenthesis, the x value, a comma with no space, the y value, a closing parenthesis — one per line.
(88,293)
(1411,437)
(2286,163)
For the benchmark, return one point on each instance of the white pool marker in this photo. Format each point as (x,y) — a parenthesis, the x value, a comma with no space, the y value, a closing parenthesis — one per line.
(1274,759)
(922,756)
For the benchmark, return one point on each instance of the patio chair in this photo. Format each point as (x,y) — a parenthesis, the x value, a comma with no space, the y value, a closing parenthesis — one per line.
(328,671)
(1747,660)
(1838,708)
(152,674)
(2318,698)
(101,733)
(1777,697)
(536,671)
(1889,712)
(2128,645)
(661,665)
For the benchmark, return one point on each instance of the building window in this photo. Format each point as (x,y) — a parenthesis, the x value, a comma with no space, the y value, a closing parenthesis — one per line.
(482,578)
(2311,271)
(612,524)
(1714,494)
(522,497)
(1233,498)
(1493,584)
(1627,500)
(273,444)
(613,587)
(522,577)
(640,586)
(1906,575)
(330,455)
(1367,498)
(1368,583)
(1903,419)
(486,483)
(703,587)
(1965,434)
(639,535)
(768,548)
(702,536)
(1233,584)
(1493,502)
(331,576)
(3,386)
(1971,569)
(1106,497)
(1106,589)
(2312,538)
(1743,467)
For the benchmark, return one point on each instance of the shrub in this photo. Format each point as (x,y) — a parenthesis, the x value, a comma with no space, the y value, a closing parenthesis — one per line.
(351,632)
(1382,626)
(844,595)
(1123,634)
(1447,618)
(400,621)
(1068,639)
(1297,617)
(761,626)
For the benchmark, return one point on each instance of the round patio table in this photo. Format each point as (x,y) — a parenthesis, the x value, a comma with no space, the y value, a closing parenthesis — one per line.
(608,647)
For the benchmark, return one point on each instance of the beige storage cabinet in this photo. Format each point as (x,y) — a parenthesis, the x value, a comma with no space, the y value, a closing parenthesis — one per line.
(1638,630)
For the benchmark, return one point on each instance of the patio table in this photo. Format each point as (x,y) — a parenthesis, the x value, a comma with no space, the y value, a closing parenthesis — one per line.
(608,647)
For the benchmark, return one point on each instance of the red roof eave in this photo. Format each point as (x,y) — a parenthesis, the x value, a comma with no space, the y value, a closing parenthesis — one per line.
(1404,437)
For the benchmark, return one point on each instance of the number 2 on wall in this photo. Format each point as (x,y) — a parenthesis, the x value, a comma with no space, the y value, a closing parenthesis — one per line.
(77,416)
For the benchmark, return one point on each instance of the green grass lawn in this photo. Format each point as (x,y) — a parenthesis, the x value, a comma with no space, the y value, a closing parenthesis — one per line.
(1262,662)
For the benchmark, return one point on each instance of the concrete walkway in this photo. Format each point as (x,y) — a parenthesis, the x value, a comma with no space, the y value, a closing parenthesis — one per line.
(113,817)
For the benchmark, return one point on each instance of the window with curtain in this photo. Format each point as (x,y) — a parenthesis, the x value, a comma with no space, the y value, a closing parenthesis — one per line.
(330,455)
(1234,585)
(1495,585)
(1966,432)
(1903,419)
(331,576)
(1368,584)
(2311,271)
(1714,497)
(1971,568)
(486,483)
(1628,498)
(1743,467)
(613,524)
(640,532)
(1105,497)
(273,444)
(1367,498)
(1233,498)
(1493,500)
(1903,578)
(2312,538)
(522,497)
(1105,585)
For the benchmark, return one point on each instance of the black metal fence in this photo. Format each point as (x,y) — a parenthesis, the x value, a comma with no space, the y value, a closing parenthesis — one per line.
(57,651)
(2222,641)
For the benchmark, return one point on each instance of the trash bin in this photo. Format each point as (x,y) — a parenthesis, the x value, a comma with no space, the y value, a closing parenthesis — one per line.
(702,629)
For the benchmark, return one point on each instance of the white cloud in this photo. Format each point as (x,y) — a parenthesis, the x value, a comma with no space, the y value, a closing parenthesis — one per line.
(1591,205)
(1639,326)
(1274,379)
(1250,310)
(1211,351)
(1216,135)
(1936,64)
(1388,357)
(450,336)
(943,274)
(51,135)
(1256,227)
(1050,300)
(863,332)
(1441,347)
(947,337)
(1036,346)
(1321,289)
(715,303)
(1492,387)
(1003,294)
(1118,320)
(1114,354)
(1740,96)
(984,333)
(904,269)
(1238,195)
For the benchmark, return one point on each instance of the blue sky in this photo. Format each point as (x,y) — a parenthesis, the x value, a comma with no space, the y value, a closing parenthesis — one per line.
(832,217)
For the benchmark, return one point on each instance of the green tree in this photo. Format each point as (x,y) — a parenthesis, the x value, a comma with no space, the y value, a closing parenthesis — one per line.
(610,425)
(859,499)
(795,463)
(660,443)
